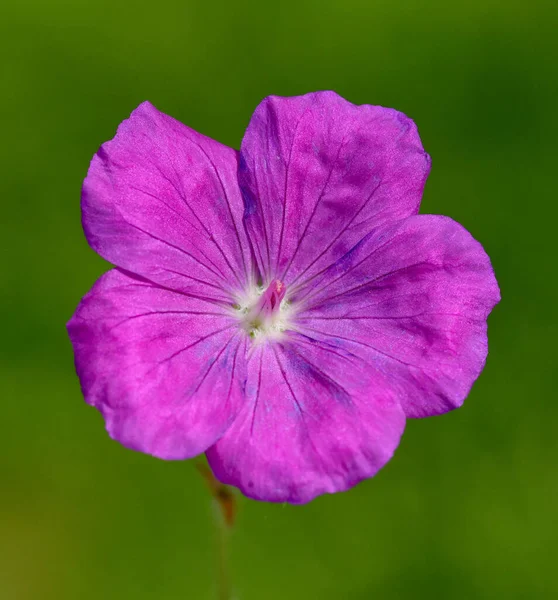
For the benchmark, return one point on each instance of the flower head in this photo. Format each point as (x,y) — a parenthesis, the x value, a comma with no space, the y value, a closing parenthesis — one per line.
(283,308)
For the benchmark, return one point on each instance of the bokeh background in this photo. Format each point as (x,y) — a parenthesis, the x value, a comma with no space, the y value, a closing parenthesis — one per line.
(468,507)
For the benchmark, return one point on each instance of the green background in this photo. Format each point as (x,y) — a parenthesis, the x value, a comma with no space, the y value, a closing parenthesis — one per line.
(468,507)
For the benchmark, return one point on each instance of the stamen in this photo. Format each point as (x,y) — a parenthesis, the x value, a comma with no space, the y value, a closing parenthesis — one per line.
(265,314)
(269,302)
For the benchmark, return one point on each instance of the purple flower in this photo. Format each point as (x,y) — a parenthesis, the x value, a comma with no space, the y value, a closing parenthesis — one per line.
(282,308)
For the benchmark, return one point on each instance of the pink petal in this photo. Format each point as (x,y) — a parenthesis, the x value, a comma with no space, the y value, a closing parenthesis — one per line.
(314,422)
(162,201)
(412,300)
(165,369)
(318,172)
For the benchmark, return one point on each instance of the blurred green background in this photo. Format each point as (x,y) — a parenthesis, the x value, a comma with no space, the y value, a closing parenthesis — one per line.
(468,507)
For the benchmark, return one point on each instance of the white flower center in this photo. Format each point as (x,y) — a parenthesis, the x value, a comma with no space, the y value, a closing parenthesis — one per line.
(264,312)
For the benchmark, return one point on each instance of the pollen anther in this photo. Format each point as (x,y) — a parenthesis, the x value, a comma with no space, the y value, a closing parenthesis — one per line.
(263,313)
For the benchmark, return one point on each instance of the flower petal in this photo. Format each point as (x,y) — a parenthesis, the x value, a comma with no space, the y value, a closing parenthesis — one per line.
(313,422)
(317,171)
(164,369)
(412,300)
(162,201)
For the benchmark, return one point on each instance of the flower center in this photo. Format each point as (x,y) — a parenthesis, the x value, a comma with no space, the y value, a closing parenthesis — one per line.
(263,312)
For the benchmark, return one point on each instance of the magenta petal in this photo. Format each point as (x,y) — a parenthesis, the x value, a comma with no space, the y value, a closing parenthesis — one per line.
(165,370)
(314,422)
(318,172)
(163,201)
(412,300)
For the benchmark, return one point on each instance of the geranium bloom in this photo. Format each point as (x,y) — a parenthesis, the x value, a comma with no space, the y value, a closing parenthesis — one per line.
(282,308)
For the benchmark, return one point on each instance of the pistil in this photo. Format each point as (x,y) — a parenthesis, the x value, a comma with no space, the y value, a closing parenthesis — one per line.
(265,315)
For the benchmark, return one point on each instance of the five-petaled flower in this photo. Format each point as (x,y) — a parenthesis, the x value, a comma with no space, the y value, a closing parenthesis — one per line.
(282,308)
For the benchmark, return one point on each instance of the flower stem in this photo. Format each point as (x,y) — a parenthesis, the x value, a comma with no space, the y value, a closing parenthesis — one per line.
(223,571)
(224,510)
